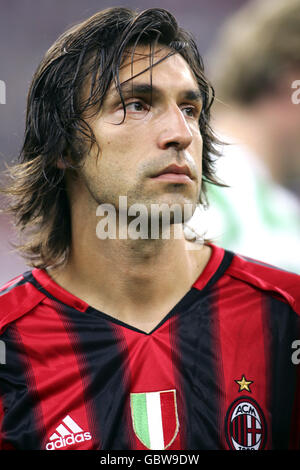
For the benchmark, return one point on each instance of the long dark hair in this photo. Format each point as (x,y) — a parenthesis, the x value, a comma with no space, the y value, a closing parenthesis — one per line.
(90,52)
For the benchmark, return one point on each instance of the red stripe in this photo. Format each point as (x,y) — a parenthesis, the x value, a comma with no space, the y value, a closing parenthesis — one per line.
(169,416)
(24,298)
(56,375)
(150,366)
(178,379)
(245,430)
(57,291)
(10,283)
(216,258)
(241,319)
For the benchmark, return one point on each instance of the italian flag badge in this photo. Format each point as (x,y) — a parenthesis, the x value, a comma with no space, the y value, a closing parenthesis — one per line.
(154,417)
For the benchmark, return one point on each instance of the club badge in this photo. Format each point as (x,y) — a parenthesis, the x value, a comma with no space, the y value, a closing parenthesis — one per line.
(245,425)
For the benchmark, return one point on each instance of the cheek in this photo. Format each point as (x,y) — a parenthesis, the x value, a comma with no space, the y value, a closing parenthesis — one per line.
(116,166)
(198,149)
(116,143)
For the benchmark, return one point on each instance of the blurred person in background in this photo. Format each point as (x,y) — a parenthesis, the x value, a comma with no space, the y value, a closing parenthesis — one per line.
(254,65)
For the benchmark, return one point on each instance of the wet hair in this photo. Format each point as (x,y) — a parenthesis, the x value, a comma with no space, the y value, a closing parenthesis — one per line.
(88,55)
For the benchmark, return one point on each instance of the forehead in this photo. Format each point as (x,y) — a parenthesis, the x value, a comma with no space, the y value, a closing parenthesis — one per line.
(172,71)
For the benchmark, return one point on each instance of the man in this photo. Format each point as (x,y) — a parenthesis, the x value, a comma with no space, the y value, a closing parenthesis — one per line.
(119,341)
(254,66)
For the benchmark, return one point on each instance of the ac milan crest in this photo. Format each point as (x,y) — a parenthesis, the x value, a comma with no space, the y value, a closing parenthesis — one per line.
(245,425)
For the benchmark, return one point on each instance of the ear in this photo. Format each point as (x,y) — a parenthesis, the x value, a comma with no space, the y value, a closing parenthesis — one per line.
(62,162)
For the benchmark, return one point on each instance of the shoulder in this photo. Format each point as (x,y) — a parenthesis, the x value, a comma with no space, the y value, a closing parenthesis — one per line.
(18,297)
(276,281)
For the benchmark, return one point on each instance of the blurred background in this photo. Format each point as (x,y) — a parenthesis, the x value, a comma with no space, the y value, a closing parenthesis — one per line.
(29,27)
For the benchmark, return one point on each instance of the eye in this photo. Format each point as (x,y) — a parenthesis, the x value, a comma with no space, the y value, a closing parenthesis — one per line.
(135,106)
(189,111)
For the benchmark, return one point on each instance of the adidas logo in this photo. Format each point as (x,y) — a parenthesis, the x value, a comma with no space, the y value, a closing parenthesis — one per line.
(67,434)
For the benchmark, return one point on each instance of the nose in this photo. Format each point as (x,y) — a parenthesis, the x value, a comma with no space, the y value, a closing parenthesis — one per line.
(175,131)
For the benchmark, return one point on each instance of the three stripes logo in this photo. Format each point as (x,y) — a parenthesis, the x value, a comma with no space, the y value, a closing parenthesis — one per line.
(67,434)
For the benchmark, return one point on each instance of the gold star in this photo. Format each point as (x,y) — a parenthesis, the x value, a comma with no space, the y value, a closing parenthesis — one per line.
(244,384)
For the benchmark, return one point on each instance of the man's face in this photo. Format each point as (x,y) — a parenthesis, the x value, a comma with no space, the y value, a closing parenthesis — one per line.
(159,130)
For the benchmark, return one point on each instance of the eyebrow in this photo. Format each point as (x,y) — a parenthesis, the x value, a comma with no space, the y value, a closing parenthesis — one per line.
(132,89)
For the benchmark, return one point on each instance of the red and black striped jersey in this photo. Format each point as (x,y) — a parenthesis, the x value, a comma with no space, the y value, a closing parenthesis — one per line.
(220,371)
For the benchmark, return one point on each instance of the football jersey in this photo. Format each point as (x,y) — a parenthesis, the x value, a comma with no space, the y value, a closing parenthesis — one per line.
(220,371)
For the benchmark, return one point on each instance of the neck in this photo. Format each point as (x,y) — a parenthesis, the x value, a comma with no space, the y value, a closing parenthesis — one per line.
(132,280)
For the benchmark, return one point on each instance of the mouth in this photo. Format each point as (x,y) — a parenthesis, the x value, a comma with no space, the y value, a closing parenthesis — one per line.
(175,174)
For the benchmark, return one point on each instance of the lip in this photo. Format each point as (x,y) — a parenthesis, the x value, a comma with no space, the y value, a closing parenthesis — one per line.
(173,178)
(175,173)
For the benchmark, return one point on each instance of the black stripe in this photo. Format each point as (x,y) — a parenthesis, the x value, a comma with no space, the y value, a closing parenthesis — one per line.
(19,399)
(282,327)
(240,420)
(197,372)
(196,356)
(237,433)
(226,262)
(100,360)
